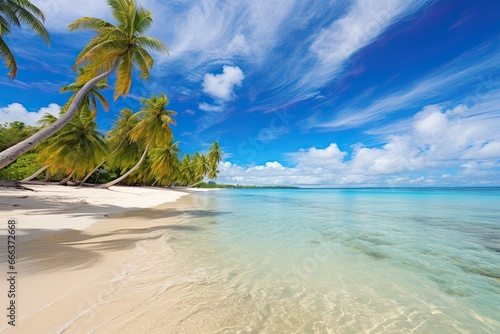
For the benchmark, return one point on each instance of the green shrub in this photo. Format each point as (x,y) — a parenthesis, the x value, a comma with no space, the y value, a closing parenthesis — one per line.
(21,168)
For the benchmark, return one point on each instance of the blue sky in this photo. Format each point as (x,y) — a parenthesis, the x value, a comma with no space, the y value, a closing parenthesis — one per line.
(308,93)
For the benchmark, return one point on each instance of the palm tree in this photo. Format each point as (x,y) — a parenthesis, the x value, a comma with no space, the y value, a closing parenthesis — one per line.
(45,121)
(153,128)
(17,13)
(120,48)
(77,148)
(214,158)
(215,155)
(164,160)
(90,99)
(207,165)
(187,171)
(119,134)
(201,168)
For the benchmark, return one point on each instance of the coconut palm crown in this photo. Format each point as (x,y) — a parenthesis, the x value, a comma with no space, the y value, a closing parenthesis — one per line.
(123,42)
(18,13)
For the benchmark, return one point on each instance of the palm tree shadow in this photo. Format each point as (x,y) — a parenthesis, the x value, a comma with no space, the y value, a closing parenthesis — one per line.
(79,249)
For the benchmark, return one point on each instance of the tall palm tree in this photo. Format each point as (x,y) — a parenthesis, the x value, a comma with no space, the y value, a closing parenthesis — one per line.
(91,98)
(214,158)
(215,155)
(18,13)
(153,128)
(119,47)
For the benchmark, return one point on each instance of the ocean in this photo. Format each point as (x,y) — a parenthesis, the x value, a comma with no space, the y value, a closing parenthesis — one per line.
(343,261)
(405,260)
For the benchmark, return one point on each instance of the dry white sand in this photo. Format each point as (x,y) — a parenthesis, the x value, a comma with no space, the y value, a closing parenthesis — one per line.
(69,240)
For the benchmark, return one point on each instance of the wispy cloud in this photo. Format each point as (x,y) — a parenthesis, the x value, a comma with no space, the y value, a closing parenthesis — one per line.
(361,25)
(60,13)
(469,69)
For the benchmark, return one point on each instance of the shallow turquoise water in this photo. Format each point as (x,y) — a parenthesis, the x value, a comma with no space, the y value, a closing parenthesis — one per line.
(342,261)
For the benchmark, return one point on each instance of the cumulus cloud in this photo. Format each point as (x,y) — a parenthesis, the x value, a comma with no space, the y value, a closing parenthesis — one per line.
(221,86)
(443,146)
(17,112)
(330,156)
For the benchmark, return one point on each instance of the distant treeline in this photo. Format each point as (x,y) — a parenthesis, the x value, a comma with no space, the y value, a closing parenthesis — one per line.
(214,185)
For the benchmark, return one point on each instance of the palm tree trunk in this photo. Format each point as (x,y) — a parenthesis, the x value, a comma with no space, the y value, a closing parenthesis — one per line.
(38,172)
(195,184)
(66,180)
(111,154)
(12,153)
(121,178)
(47,176)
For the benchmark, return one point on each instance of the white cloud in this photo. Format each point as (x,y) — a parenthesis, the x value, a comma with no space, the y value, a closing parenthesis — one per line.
(453,144)
(17,112)
(221,86)
(208,31)
(330,156)
(210,108)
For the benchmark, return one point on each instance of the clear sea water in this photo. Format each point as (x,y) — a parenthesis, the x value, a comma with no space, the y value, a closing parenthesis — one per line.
(340,261)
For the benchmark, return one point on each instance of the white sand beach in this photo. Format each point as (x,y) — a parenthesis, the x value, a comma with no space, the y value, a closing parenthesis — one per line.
(71,242)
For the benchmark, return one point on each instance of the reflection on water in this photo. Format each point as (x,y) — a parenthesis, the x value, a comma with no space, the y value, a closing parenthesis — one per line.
(320,261)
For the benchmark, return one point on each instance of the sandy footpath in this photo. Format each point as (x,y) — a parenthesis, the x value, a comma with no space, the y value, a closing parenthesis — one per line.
(69,240)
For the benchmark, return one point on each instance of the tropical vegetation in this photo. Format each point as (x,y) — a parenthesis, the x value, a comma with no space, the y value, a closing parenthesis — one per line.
(139,150)
(116,48)
(69,147)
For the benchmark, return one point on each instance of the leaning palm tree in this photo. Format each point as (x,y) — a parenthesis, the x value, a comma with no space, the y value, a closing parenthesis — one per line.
(201,168)
(119,47)
(91,98)
(18,13)
(44,121)
(187,171)
(206,165)
(77,148)
(164,160)
(153,129)
(118,135)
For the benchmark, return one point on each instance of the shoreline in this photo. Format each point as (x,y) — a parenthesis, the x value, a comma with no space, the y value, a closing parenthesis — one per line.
(81,239)
(61,208)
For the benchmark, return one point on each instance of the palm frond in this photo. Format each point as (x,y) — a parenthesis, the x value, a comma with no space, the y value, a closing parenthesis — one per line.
(8,58)
(152,43)
(89,23)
